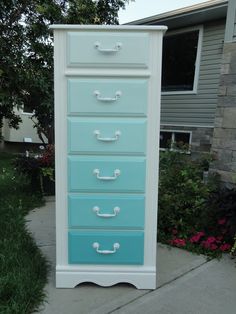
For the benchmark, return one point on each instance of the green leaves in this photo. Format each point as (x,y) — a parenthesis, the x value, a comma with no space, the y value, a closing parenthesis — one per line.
(26,52)
(182,193)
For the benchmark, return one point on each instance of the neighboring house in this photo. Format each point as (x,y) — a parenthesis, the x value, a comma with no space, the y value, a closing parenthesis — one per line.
(25,137)
(198,103)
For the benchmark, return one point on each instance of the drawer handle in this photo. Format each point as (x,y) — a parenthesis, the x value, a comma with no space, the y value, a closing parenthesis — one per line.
(96,246)
(107,139)
(107,99)
(116,211)
(97,173)
(116,48)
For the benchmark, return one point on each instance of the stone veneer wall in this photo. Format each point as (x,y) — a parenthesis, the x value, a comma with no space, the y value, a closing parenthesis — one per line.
(224,137)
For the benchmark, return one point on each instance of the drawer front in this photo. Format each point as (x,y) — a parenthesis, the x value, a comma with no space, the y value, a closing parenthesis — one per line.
(107,96)
(102,49)
(106,247)
(107,174)
(86,135)
(106,211)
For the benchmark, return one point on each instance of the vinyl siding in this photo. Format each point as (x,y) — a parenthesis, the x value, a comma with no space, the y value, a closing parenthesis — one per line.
(234,35)
(230,32)
(199,109)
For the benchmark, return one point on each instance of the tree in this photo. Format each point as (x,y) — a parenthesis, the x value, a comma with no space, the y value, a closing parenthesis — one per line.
(26,52)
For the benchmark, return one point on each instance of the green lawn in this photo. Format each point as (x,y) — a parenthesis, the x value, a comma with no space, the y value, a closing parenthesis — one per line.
(23,269)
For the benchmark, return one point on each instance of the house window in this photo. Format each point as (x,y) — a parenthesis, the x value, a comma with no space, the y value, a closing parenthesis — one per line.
(175,140)
(181,57)
(27,110)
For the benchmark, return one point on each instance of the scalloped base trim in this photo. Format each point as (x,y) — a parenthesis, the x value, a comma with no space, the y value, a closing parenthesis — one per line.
(141,280)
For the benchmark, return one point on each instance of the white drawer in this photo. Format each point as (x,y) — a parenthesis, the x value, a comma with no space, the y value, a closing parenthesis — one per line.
(107,96)
(110,135)
(92,49)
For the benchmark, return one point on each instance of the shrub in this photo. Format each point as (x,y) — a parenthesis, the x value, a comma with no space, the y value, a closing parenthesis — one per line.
(182,193)
(194,214)
(39,168)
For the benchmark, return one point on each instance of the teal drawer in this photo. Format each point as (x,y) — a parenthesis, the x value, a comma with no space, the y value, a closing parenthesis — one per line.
(106,247)
(106,173)
(92,49)
(108,96)
(106,211)
(109,135)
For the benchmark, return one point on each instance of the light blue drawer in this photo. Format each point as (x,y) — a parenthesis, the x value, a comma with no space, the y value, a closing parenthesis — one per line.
(107,96)
(106,247)
(106,211)
(111,135)
(107,174)
(103,49)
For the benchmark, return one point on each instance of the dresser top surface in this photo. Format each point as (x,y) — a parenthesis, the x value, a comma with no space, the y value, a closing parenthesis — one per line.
(75,27)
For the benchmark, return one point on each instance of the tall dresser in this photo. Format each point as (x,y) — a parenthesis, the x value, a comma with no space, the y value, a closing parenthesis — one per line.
(107,117)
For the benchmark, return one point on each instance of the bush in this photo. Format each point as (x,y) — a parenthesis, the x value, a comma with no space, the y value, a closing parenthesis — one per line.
(182,193)
(220,215)
(193,213)
(39,168)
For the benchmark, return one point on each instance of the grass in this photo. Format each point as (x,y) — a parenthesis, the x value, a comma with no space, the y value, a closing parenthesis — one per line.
(23,268)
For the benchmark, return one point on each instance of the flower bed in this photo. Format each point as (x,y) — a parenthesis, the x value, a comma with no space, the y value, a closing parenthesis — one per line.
(194,214)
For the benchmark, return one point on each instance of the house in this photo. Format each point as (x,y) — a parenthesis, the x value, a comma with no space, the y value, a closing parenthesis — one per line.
(21,139)
(199,81)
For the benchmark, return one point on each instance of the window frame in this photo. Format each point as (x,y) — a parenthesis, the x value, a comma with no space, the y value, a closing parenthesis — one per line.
(26,113)
(198,59)
(173,140)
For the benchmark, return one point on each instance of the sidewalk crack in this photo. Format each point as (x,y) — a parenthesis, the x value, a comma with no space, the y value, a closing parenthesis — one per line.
(161,286)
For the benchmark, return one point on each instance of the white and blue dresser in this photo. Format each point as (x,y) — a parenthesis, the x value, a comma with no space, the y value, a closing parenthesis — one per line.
(107,117)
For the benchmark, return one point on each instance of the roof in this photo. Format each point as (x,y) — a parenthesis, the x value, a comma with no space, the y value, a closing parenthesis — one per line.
(195,14)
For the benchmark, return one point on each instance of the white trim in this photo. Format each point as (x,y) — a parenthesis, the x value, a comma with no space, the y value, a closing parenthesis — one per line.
(189,125)
(106,72)
(198,59)
(108,27)
(60,148)
(190,92)
(140,279)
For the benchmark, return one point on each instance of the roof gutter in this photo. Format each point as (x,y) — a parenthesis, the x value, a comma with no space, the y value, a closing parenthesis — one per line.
(209,5)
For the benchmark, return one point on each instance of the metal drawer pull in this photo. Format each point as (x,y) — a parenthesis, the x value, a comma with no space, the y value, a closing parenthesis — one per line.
(97,173)
(116,211)
(96,246)
(107,99)
(107,139)
(116,48)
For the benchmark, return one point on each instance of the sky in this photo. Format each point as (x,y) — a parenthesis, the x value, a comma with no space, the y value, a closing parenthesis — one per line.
(139,9)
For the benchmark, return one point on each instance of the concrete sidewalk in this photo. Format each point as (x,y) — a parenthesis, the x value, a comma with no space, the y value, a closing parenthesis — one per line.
(187,283)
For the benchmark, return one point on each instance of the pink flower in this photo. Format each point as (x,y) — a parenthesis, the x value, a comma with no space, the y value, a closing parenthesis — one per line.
(209,243)
(213,247)
(211,240)
(225,247)
(221,221)
(178,242)
(201,233)
(196,237)
(205,244)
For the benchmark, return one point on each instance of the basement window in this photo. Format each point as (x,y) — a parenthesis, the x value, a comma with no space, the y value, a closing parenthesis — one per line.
(181,59)
(27,110)
(175,140)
